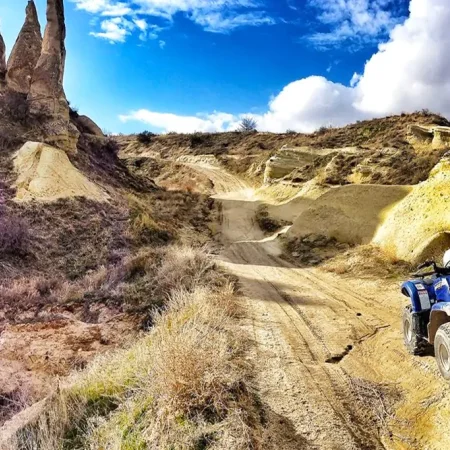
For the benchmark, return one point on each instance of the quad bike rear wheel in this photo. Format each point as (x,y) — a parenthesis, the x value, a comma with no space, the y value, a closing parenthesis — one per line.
(414,342)
(442,350)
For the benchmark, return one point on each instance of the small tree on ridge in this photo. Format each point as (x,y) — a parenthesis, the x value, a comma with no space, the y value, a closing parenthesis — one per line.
(248,124)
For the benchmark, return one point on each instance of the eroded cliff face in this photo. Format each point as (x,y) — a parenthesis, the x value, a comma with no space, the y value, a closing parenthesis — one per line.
(428,137)
(25,53)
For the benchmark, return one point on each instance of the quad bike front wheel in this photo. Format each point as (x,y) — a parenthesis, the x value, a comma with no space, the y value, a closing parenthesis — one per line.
(442,350)
(414,342)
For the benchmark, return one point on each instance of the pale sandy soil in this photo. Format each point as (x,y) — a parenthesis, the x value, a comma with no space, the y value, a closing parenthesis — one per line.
(332,371)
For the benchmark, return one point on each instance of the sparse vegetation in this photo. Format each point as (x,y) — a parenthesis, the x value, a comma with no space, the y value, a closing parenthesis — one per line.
(14,106)
(184,385)
(200,139)
(111,146)
(266,223)
(14,236)
(248,124)
(313,249)
(143,228)
(367,261)
(240,151)
(146,137)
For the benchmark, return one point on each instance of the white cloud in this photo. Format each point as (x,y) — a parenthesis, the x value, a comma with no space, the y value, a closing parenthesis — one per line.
(162,44)
(412,70)
(354,22)
(308,104)
(104,7)
(183,124)
(141,24)
(115,30)
(408,73)
(218,16)
(217,22)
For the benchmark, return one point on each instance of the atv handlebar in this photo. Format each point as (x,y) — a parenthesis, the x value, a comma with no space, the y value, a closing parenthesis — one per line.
(428,264)
(436,270)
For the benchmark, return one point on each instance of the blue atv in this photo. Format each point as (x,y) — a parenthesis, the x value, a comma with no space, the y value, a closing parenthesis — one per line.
(426,322)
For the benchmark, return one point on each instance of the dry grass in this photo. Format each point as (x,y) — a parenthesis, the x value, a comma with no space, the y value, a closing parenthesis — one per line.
(265,222)
(143,227)
(184,385)
(388,132)
(367,261)
(14,236)
(246,153)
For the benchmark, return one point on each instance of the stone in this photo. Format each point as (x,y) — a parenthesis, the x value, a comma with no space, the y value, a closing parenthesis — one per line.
(47,99)
(86,125)
(2,63)
(25,53)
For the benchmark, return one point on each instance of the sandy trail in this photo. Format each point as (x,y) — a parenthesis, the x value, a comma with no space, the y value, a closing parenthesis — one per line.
(332,370)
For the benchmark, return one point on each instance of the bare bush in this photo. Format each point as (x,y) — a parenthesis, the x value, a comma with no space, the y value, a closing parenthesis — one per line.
(111,146)
(146,137)
(248,124)
(183,267)
(266,223)
(14,106)
(14,235)
(200,139)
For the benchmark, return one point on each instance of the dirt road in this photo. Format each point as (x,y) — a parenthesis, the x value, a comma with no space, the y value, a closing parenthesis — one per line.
(332,370)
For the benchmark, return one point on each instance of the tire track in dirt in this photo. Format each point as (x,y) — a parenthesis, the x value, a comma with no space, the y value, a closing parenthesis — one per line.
(326,388)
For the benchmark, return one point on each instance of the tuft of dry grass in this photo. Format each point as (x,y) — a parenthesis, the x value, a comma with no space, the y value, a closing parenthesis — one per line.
(194,390)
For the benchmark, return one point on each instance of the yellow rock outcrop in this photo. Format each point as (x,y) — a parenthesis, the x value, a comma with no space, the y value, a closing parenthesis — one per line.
(46,174)
(418,227)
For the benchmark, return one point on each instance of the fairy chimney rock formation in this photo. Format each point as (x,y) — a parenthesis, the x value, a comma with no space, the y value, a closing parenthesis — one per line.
(2,63)
(47,99)
(25,53)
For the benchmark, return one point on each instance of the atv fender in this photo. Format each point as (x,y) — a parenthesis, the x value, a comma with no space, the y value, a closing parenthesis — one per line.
(419,294)
(440,315)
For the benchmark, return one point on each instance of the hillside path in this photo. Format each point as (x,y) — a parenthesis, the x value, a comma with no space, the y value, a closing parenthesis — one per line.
(332,372)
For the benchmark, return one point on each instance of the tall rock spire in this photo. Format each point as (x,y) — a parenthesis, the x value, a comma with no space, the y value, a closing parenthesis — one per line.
(47,98)
(25,53)
(2,64)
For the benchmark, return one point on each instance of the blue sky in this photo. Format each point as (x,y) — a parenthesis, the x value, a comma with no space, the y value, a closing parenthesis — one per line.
(187,65)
